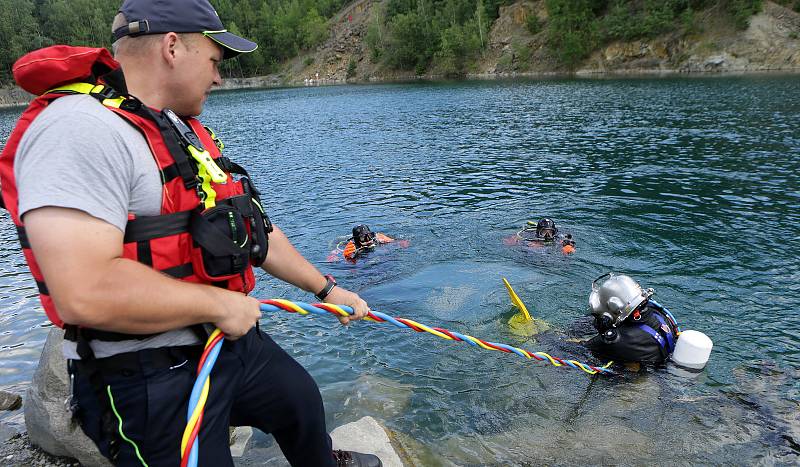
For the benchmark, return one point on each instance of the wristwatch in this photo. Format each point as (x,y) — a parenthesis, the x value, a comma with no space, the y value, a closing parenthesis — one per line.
(327,289)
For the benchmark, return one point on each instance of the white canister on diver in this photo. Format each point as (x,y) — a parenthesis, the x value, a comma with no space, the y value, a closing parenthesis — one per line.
(692,350)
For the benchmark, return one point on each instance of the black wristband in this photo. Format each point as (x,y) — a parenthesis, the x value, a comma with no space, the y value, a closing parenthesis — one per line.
(327,289)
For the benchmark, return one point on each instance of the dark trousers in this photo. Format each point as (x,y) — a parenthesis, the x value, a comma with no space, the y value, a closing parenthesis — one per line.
(254,383)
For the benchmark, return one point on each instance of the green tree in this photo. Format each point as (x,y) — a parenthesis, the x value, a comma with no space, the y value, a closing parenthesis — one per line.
(453,51)
(315,29)
(19,34)
(412,42)
(742,10)
(481,20)
(375,34)
(572,30)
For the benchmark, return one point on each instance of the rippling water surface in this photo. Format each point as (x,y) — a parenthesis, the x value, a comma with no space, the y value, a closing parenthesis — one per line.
(692,186)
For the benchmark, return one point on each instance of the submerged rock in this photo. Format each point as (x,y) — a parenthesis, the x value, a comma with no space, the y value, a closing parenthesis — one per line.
(9,401)
(365,435)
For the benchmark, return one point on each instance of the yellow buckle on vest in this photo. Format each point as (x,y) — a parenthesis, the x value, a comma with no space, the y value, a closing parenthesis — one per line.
(89,89)
(204,158)
(208,171)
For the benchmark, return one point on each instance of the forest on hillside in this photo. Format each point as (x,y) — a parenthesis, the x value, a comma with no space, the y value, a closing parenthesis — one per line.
(403,34)
(280,27)
(414,34)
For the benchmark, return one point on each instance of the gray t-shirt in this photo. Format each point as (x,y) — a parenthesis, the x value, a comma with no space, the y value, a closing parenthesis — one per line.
(78,154)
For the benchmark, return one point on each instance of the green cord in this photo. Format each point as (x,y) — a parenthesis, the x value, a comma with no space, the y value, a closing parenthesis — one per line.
(114,408)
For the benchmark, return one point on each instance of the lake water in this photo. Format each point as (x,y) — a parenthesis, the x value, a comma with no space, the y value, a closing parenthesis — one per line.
(690,185)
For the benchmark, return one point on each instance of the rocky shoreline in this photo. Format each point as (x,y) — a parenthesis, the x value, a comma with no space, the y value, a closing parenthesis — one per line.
(18,451)
(53,437)
(15,97)
(770,44)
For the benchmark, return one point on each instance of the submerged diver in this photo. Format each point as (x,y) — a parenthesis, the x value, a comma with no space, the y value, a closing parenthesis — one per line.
(540,234)
(631,326)
(363,241)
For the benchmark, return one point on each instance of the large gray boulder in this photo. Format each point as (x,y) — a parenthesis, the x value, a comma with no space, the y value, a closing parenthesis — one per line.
(368,436)
(50,424)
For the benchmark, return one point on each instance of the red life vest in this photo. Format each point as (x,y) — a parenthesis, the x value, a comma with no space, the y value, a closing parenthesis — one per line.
(178,242)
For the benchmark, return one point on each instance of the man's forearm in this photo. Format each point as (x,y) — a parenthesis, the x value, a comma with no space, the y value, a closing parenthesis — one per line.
(133,298)
(287,264)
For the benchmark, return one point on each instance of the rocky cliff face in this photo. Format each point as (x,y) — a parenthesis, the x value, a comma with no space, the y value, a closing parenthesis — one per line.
(345,45)
(10,97)
(770,42)
(512,48)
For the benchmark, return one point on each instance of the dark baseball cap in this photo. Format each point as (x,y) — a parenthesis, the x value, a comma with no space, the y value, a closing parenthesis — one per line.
(181,16)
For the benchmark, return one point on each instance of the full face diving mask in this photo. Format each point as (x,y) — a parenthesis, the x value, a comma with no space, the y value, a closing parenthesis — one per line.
(546,229)
(362,236)
(613,298)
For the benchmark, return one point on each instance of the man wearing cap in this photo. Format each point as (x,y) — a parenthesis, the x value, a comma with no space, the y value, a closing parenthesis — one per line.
(83,176)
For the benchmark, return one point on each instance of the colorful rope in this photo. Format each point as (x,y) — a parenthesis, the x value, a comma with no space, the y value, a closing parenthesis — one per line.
(325,308)
(197,401)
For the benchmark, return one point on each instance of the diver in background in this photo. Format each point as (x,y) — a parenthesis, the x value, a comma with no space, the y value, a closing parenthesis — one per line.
(363,241)
(541,234)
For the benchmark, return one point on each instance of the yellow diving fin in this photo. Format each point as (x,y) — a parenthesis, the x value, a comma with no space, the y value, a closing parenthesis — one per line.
(522,324)
(516,301)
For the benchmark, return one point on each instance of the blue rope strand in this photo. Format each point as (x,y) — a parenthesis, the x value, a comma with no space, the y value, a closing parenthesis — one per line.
(194,398)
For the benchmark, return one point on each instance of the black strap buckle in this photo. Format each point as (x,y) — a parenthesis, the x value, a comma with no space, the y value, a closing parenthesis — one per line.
(106,93)
(186,135)
(136,28)
(130,104)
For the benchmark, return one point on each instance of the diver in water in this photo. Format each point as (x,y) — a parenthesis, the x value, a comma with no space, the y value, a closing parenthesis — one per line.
(629,328)
(632,327)
(541,234)
(363,241)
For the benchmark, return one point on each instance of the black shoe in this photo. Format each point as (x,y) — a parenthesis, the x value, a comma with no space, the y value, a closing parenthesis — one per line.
(356,459)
